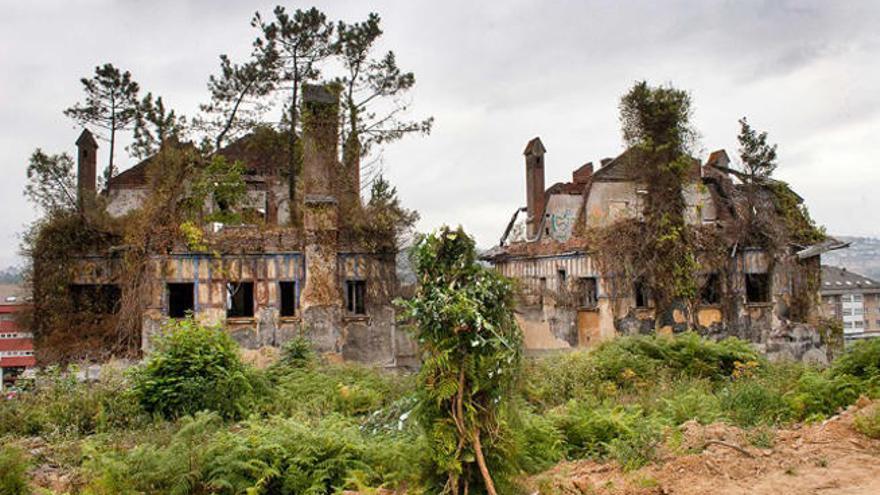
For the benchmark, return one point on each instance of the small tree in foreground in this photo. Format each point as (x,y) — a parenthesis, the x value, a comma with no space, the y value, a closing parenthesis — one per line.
(471,345)
(194,368)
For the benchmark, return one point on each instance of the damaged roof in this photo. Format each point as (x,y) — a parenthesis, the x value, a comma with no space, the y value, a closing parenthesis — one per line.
(250,149)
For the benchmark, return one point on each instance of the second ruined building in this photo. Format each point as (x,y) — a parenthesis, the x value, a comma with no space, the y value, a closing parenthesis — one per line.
(574,296)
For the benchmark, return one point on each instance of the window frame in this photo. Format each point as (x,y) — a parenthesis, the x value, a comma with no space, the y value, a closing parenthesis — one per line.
(249,305)
(192,296)
(356,297)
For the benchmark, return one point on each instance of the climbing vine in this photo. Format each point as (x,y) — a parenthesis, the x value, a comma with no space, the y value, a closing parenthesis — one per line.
(471,351)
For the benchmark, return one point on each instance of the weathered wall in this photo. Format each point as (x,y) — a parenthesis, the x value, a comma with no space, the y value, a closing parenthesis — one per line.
(609,202)
(550,316)
(124,200)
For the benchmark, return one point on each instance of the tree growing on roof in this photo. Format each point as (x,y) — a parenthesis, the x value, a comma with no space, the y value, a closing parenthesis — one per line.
(237,99)
(374,88)
(758,157)
(154,125)
(295,45)
(110,103)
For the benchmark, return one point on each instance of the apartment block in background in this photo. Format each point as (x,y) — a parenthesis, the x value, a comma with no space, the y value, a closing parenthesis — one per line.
(853,299)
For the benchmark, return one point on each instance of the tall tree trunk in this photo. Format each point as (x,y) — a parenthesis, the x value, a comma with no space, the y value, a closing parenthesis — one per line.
(481,462)
(292,157)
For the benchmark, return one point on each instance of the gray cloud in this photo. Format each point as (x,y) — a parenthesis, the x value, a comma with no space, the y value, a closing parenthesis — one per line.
(495,74)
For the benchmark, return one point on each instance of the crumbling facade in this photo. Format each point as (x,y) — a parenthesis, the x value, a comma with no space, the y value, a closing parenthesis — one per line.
(298,271)
(572,296)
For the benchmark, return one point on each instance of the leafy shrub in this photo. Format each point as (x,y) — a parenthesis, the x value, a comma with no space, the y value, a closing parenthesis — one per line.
(61,405)
(638,447)
(822,394)
(260,456)
(350,389)
(540,444)
(634,364)
(297,353)
(750,402)
(13,470)
(588,431)
(690,400)
(861,360)
(868,422)
(194,368)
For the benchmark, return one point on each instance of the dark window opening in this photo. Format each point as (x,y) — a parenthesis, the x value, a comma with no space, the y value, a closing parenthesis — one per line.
(589,292)
(710,293)
(239,299)
(356,292)
(561,279)
(181,300)
(757,287)
(642,293)
(289,298)
(95,298)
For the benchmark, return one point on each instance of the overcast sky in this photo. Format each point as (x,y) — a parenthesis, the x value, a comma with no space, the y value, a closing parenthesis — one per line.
(494,75)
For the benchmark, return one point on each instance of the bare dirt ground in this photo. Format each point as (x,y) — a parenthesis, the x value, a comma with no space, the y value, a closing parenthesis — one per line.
(828,458)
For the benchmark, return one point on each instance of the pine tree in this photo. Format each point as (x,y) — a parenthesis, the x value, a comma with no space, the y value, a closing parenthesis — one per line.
(111,103)
(153,126)
(295,45)
(758,157)
(373,91)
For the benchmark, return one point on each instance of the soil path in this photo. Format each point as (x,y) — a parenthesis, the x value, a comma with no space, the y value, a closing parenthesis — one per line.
(830,458)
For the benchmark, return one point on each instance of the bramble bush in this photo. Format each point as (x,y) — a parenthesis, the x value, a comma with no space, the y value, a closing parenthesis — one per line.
(194,368)
(13,471)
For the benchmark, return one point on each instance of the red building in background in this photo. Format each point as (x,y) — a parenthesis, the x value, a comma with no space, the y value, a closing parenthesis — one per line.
(16,345)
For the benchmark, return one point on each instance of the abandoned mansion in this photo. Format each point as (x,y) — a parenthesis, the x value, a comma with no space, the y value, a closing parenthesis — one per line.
(572,295)
(292,267)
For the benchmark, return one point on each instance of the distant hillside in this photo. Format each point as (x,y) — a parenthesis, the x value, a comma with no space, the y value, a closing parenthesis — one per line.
(10,275)
(862,257)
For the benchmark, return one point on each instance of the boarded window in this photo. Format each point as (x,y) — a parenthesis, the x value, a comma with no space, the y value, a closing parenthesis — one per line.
(710,292)
(181,300)
(239,299)
(289,298)
(589,294)
(95,298)
(355,293)
(642,293)
(757,287)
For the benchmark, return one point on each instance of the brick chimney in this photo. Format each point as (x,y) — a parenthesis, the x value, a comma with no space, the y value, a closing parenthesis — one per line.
(86,169)
(320,140)
(583,175)
(534,153)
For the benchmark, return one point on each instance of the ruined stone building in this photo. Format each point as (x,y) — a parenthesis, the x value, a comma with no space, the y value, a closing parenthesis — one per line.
(568,300)
(297,270)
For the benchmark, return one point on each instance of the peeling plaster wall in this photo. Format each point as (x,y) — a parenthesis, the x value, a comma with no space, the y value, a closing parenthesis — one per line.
(124,200)
(549,314)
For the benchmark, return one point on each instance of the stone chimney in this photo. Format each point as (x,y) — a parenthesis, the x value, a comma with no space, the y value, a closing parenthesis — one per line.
(534,153)
(320,298)
(320,141)
(583,175)
(86,169)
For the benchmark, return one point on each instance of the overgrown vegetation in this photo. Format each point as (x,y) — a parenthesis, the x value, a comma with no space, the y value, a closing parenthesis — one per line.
(309,426)
(471,344)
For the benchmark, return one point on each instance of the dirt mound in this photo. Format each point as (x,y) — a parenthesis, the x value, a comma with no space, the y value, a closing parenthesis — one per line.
(827,458)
